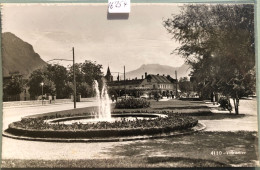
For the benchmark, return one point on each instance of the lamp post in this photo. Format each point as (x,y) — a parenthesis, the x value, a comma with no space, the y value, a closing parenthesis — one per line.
(74,75)
(42,91)
(176,84)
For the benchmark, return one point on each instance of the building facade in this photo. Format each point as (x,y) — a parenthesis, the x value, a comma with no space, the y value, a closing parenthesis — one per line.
(150,84)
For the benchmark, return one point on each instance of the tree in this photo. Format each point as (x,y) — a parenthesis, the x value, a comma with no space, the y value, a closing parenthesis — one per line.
(14,86)
(86,73)
(36,78)
(59,76)
(218,42)
(54,77)
(185,85)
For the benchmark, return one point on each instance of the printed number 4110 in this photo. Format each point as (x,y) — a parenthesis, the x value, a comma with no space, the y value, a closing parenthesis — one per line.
(216,153)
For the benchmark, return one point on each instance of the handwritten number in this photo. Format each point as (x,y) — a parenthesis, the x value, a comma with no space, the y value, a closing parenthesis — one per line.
(111,5)
(117,4)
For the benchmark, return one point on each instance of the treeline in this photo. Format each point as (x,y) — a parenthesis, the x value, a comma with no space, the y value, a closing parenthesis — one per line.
(57,80)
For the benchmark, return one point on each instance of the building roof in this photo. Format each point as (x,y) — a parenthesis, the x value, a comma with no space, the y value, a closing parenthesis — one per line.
(108,72)
(159,78)
(127,82)
(137,82)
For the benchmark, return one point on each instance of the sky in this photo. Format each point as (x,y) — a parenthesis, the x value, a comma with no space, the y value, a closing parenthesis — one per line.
(53,29)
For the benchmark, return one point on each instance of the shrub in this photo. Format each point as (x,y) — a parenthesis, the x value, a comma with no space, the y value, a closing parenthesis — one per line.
(225,103)
(132,103)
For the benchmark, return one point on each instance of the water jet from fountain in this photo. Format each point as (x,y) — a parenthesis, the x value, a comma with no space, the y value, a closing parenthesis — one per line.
(104,110)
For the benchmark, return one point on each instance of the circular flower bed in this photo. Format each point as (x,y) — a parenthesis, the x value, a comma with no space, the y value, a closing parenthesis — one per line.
(38,127)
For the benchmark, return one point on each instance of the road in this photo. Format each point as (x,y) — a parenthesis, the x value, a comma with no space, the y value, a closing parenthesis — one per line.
(11,114)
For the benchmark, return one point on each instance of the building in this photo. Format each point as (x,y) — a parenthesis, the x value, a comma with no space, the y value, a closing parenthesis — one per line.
(109,76)
(150,84)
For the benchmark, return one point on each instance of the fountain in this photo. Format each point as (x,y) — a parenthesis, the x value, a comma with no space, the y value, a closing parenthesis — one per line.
(104,110)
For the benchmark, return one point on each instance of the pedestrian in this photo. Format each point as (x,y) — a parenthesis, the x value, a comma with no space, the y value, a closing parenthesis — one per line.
(116,97)
(113,98)
(213,98)
(50,98)
(217,97)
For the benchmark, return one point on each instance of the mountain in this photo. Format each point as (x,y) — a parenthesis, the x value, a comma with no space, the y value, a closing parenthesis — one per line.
(182,71)
(18,56)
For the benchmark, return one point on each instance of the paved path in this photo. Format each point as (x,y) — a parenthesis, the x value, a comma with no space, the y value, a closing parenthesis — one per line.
(246,123)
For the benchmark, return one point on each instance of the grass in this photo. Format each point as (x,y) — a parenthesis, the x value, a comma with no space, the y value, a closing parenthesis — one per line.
(112,163)
(182,151)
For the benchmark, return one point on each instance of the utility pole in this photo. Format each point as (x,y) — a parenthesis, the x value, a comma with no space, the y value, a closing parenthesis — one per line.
(74,78)
(42,91)
(176,83)
(124,82)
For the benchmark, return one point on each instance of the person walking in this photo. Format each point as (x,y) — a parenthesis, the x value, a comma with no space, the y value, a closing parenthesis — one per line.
(217,98)
(213,98)
(50,98)
(113,98)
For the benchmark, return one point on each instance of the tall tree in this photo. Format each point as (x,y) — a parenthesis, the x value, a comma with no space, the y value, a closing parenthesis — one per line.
(218,42)
(59,76)
(86,73)
(13,86)
(36,78)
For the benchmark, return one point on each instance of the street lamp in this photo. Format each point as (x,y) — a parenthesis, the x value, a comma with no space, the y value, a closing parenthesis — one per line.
(74,75)
(42,91)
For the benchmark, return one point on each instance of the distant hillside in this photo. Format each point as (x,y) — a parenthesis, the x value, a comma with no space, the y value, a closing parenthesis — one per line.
(18,56)
(182,71)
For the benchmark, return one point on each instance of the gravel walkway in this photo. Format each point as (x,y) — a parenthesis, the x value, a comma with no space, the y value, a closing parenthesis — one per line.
(246,123)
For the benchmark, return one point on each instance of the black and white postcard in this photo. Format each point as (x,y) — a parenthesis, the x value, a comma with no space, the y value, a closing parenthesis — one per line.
(159,85)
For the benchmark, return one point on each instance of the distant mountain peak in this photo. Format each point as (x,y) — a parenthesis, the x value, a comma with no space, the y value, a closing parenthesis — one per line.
(182,71)
(18,55)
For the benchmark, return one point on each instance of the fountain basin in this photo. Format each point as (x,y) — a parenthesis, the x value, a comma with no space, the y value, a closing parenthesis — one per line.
(144,125)
(114,118)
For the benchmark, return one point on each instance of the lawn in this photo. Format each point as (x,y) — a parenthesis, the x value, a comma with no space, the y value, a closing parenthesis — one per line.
(183,151)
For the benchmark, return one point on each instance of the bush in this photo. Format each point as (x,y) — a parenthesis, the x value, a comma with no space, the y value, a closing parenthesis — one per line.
(132,103)
(225,103)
